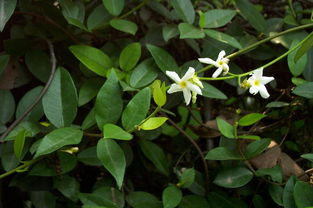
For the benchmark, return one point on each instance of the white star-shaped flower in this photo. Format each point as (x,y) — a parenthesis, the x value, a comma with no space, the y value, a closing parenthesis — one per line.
(221,63)
(257,83)
(187,84)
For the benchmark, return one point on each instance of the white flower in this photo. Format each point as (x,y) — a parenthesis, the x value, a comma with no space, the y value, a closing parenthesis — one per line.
(187,84)
(257,83)
(221,63)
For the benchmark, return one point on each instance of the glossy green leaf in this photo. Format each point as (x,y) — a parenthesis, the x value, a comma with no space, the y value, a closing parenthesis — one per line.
(212,92)
(305,46)
(304,90)
(114,7)
(187,178)
(109,103)
(276,192)
(90,120)
(251,14)
(130,55)
(275,173)
(250,119)
(58,138)
(19,144)
(113,159)
(215,18)
(137,109)
(143,74)
(296,67)
(74,13)
(185,10)
(60,101)
(253,137)
(68,186)
(38,64)
(31,130)
(277,104)
(7,8)
(223,37)
(124,26)
(26,101)
(153,123)
(171,196)
(257,147)
(308,156)
(189,31)
(159,93)
(233,177)
(303,193)
(140,199)
(89,90)
(112,131)
(4,60)
(225,128)
(223,153)
(98,18)
(288,199)
(162,58)
(7,106)
(155,154)
(93,58)
(89,156)
(169,31)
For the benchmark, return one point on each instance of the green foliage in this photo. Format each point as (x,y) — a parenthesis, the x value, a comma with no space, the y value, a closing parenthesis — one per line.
(7,8)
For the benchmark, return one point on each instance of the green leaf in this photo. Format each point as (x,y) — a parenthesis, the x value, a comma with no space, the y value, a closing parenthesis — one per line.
(250,119)
(98,18)
(114,7)
(194,201)
(251,14)
(187,178)
(74,13)
(112,158)
(212,92)
(220,200)
(153,123)
(140,199)
(253,137)
(19,144)
(89,90)
(233,177)
(68,186)
(171,197)
(42,199)
(137,109)
(7,8)
(124,26)
(305,46)
(215,18)
(276,192)
(4,60)
(303,193)
(257,147)
(155,154)
(109,103)
(222,153)
(162,58)
(169,31)
(57,139)
(304,90)
(185,10)
(38,64)
(225,128)
(296,67)
(159,93)
(93,58)
(143,74)
(308,156)
(7,106)
(112,131)
(189,31)
(26,101)
(223,37)
(60,101)
(130,55)
(288,199)
(89,156)
(277,104)
(31,130)
(275,173)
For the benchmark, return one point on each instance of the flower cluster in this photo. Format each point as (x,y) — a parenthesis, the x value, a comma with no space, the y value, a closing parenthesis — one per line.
(191,85)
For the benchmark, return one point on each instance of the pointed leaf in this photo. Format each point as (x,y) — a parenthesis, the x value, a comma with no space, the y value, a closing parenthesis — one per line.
(189,31)
(171,196)
(130,55)
(7,106)
(225,128)
(124,26)
(257,147)
(112,131)
(184,9)
(38,64)
(153,123)
(215,18)
(212,92)
(6,10)
(233,177)
(223,37)
(19,144)
(250,119)
(143,74)
(114,7)
(305,46)
(222,153)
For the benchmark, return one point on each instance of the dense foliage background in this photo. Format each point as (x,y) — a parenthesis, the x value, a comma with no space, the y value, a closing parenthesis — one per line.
(85,120)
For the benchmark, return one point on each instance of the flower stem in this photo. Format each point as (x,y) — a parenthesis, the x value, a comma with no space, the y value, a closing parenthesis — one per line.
(144,2)
(21,167)
(250,47)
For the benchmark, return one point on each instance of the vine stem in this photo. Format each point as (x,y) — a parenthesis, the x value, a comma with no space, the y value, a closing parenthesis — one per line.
(134,9)
(21,167)
(233,55)
(264,66)
(38,98)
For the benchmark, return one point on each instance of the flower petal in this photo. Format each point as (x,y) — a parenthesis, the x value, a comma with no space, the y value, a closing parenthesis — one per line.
(173,75)
(189,74)
(217,72)
(263,92)
(187,96)
(258,72)
(207,61)
(197,81)
(194,88)
(254,90)
(174,88)
(265,80)
(221,55)
(225,69)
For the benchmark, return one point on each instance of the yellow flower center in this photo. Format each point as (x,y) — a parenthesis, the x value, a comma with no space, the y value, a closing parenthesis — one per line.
(183,84)
(257,82)
(220,62)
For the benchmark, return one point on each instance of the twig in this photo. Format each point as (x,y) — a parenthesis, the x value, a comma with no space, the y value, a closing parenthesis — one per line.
(42,93)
